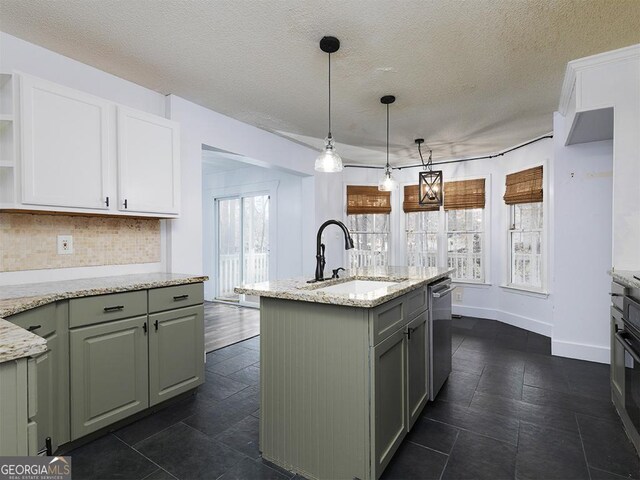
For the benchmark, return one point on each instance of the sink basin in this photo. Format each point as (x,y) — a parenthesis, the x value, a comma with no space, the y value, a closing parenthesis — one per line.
(357,287)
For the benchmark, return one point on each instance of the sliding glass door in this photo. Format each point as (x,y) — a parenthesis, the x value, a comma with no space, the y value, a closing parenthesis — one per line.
(243,244)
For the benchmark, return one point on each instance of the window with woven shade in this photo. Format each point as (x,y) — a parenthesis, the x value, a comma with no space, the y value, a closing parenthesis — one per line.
(524,196)
(422,229)
(464,203)
(368,212)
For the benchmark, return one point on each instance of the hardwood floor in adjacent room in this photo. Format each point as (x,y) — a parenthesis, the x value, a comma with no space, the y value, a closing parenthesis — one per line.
(225,324)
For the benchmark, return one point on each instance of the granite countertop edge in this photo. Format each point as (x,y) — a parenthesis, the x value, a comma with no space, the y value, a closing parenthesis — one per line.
(16,342)
(298,290)
(625,277)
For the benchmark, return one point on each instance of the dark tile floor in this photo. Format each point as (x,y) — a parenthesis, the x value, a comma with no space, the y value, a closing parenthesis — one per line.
(509,411)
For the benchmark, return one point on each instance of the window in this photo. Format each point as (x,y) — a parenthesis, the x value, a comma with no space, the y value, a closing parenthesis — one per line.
(422,227)
(465,244)
(370,233)
(464,206)
(368,211)
(422,238)
(523,195)
(525,243)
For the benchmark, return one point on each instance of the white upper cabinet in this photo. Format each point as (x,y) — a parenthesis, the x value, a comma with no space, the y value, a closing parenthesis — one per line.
(65,146)
(148,163)
(63,150)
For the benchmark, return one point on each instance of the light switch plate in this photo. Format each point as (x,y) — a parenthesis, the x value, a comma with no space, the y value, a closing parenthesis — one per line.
(65,244)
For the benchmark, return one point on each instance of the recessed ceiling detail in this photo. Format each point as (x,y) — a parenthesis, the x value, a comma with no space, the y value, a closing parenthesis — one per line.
(476,77)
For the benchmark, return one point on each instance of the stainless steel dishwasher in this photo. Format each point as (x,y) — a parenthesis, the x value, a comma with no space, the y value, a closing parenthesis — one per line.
(439,335)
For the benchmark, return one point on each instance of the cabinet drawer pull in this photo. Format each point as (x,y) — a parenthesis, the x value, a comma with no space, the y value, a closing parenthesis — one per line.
(181,297)
(34,327)
(115,308)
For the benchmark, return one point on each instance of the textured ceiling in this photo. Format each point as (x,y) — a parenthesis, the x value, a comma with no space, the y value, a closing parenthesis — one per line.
(471,77)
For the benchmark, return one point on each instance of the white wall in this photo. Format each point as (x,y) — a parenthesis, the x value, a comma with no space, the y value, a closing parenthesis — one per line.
(583,190)
(201,126)
(25,57)
(286,233)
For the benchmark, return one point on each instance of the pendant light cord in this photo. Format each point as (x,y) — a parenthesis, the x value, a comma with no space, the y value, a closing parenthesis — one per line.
(387,168)
(329,95)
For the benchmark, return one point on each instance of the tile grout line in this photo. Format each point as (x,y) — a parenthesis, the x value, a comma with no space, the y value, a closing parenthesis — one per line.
(449,456)
(584,452)
(475,433)
(143,455)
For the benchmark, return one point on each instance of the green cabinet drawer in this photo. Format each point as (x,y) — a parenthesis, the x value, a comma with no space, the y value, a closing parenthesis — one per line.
(416,302)
(41,320)
(106,308)
(168,298)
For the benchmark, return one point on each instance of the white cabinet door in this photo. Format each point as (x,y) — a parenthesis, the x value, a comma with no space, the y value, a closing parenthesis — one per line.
(65,146)
(148,163)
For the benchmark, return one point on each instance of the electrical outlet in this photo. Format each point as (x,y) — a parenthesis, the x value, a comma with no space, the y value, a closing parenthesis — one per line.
(65,244)
(457,294)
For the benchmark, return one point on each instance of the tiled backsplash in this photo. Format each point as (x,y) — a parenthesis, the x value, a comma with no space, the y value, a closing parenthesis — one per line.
(29,241)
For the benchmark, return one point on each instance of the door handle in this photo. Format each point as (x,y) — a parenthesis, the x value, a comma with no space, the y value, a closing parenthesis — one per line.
(443,293)
(181,297)
(156,325)
(627,346)
(144,327)
(409,332)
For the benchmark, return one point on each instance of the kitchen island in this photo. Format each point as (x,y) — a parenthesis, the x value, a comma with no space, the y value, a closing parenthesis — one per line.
(344,371)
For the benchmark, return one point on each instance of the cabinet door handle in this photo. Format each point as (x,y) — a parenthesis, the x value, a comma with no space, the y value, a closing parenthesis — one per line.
(115,308)
(106,202)
(156,325)
(125,203)
(181,297)
(144,327)
(33,327)
(409,332)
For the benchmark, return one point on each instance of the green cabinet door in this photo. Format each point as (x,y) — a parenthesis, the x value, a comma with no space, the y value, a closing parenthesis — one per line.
(417,384)
(176,352)
(390,402)
(109,373)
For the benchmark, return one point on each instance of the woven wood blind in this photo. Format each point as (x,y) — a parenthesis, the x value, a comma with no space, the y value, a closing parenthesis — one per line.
(524,186)
(411,202)
(464,194)
(364,199)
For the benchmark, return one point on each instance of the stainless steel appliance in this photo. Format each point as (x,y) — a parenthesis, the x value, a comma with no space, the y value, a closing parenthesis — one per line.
(625,356)
(439,335)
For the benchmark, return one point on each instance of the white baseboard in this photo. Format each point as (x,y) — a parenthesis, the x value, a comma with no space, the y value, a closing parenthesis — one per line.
(581,351)
(527,323)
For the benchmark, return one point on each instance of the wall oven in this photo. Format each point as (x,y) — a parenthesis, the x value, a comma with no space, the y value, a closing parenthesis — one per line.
(625,360)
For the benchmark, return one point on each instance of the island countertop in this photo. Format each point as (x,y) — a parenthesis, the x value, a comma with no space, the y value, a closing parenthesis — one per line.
(626,278)
(405,278)
(16,342)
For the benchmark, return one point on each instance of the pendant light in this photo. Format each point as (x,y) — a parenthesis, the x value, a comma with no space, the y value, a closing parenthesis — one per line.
(387,183)
(429,181)
(329,161)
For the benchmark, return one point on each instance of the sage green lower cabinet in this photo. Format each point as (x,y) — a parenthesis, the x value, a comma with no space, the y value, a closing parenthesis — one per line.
(417,368)
(52,418)
(340,386)
(390,393)
(109,373)
(176,352)
(18,432)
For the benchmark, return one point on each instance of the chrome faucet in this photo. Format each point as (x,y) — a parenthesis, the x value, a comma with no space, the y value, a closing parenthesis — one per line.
(320,261)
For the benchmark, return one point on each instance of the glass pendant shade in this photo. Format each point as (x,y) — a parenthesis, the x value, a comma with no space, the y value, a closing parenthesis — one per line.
(387,183)
(430,187)
(328,161)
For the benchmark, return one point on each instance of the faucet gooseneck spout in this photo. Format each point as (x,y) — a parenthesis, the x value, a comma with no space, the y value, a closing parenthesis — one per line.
(320,260)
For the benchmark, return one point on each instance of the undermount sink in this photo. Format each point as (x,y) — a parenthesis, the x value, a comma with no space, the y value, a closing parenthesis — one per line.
(357,287)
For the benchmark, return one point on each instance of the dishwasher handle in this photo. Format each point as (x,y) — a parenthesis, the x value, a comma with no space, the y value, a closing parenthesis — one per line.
(443,293)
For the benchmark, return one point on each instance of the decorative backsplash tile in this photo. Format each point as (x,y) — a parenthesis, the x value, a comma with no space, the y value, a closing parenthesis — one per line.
(29,241)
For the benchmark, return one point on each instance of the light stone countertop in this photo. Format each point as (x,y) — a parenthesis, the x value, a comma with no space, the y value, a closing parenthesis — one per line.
(407,278)
(16,342)
(625,277)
